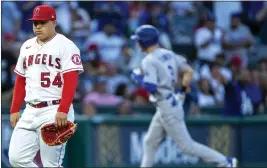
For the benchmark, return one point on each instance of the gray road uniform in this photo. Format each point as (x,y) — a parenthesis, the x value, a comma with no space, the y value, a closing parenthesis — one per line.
(160,68)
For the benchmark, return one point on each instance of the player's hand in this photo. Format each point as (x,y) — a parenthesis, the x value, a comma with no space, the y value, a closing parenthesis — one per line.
(186,89)
(61,119)
(14,118)
(137,75)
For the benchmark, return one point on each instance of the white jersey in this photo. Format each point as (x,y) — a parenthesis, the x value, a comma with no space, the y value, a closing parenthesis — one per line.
(43,67)
(161,68)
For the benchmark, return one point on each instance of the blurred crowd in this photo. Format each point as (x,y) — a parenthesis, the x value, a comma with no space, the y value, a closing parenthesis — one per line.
(228,37)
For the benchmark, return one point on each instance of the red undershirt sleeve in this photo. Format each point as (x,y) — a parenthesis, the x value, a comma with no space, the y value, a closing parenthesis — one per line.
(68,91)
(18,94)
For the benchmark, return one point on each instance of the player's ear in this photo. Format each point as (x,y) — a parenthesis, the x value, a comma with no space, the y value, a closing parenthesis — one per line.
(55,23)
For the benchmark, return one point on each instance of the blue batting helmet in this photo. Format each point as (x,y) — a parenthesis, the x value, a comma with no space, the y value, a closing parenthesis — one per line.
(146,35)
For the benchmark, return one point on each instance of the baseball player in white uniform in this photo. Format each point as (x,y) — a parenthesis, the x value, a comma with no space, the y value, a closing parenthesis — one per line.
(47,75)
(158,74)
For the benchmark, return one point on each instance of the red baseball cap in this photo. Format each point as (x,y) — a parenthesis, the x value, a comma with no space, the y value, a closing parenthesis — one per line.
(43,13)
(236,61)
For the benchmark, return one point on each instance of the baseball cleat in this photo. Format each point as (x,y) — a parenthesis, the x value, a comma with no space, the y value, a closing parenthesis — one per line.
(232,162)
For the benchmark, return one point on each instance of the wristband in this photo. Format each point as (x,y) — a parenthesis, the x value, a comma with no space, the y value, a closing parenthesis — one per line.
(183,88)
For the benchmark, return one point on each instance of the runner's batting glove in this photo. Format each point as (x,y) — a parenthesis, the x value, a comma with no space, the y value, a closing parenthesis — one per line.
(137,76)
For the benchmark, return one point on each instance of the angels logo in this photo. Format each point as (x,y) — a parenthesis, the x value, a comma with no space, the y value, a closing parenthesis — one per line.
(37,12)
(76,59)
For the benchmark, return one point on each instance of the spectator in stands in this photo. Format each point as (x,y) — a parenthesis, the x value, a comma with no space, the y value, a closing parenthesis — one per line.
(263,78)
(202,13)
(250,11)
(86,79)
(263,86)
(205,96)
(63,10)
(155,16)
(112,12)
(93,67)
(260,79)
(184,16)
(8,63)
(10,42)
(216,82)
(26,8)
(223,11)
(159,19)
(80,29)
(254,76)
(92,53)
(262,19)
(208,41)
(238,39)
(140,96)
(79,94)
(122,91)
(263,65)
(109,43)
(242,97)
(114,78)
(182,8)
(215,72)
(99,97)
(205,70)
(136,8)
(73,20)
(11,17)
(235,65)
(126,60)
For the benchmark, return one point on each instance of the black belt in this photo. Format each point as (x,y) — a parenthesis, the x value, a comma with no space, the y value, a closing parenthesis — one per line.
(44,104)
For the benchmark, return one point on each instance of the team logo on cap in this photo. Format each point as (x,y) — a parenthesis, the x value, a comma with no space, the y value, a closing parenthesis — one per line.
(37,12)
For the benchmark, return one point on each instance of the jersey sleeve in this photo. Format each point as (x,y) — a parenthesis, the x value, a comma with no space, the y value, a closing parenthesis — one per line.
(150,72)
(19,66)
(71,59)
(181,62)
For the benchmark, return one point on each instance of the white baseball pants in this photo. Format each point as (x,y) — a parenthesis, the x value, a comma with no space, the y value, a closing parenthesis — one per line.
(26,138)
